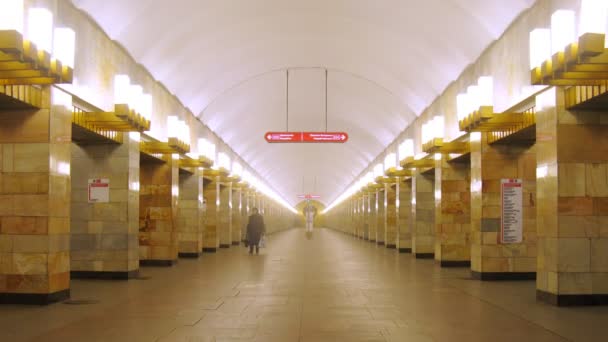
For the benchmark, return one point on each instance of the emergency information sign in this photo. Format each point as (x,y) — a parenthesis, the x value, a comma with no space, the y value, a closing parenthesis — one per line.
(511,230)
(99,190)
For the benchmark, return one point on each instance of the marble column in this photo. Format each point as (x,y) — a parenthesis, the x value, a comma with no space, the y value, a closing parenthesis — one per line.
(35,202)
(404,212)
(189,219)
(390,203)
(211,235)
(572,211)
(225,215)
(380,218)
(423,215)
(158,203)
(237,215)
(492,259)
(452,212)
(104,236)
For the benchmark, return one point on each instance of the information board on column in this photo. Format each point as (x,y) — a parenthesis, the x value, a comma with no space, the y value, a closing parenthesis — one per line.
(99,190)
(512,206)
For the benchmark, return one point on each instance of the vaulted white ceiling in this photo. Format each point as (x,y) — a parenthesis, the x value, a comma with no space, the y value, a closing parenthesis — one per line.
(226,61)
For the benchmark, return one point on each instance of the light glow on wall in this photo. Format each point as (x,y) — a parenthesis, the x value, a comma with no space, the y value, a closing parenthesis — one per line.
(206,149)
(40,28)
(563,30)
(390,161)
(223,161)
(540,46)
(12,15)
(378,170)
(122,89)
(593,17)
(64,46)
(406,149)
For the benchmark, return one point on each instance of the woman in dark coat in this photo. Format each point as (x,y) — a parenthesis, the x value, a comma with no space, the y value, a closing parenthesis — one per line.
(255,230)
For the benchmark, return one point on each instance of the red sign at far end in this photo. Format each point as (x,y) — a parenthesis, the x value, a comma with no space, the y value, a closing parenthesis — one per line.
(306,137)
(309,196)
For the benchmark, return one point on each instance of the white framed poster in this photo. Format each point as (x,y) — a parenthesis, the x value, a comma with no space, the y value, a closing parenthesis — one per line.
(511,222)
(99,190)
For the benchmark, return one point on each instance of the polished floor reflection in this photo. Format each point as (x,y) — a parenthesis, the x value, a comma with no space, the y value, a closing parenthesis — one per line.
(325,287)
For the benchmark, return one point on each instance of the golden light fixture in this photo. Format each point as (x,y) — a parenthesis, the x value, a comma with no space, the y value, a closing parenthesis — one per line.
(568,60)
(179,134)
(432,134)
(132,109)
(29,61)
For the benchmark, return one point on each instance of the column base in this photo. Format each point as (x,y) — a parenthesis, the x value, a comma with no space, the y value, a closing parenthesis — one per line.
(209,250)
(498,276)
(157,263)
(366,239)
(425,255)
(405,250)
(236,243)
(390,246)
(189,255)
(455,263)
(34,298)
(104,275)
(372,241)
(224,245)
(380,243)
(572,300)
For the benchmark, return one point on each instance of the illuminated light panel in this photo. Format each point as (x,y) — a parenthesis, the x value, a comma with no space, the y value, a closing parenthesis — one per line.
(40,28)
(12,15)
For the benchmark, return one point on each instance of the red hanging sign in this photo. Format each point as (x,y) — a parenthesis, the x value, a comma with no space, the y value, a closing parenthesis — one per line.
(306,137)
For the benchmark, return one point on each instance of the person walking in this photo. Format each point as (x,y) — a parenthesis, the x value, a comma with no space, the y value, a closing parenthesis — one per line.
(310,212)
(255,230)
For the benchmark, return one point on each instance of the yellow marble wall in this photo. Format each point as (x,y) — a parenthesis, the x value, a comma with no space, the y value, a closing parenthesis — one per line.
(35,203)
(211,235)
(380,218)
(489,164)
(238,230)
(104,236)
(404,224)
(159,191)
(189,221)
(372,219)
(423,215)
(572,198)
(391,234)
(452,212)
(225,215)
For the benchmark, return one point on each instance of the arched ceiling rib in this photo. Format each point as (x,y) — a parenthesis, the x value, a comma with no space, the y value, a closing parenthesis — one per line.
(391,58)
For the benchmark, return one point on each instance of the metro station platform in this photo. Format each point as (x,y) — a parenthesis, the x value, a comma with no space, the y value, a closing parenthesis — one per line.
(331,287)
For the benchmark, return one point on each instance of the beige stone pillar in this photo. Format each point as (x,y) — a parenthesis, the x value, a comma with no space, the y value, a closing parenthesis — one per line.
(35,203)
(391,234)
(452,212)
(225,215)
(572,221)
(423,215)
(404,212)
(237,215)
(490,258)
(190,220)
(380,217)
(373,217)
(158,201)
(211,235)
(104,236)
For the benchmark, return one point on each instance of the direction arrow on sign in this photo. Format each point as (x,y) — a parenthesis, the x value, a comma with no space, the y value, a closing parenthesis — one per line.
(337,137)
(306,137)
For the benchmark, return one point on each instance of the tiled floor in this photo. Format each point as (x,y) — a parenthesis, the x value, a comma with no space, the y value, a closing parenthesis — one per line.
(328,288)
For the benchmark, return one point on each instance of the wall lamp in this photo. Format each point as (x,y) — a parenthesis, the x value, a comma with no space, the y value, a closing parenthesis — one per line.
(432,134)
(475,110)
(559,58)
(36,58)
(132,109)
